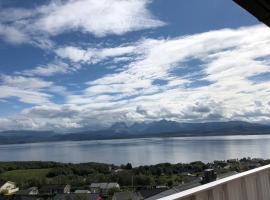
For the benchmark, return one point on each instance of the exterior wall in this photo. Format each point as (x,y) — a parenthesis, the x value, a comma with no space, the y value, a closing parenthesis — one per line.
(33,191)
(67,189)
(9,188)
(95,190)
(250,185)
(12,191)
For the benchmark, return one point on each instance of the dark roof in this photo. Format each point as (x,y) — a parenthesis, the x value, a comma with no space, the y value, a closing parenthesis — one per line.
(53,187)
(176,189)
(27,198)
(127,196)
(259,8)
(104,185)
(4,198)
(2,183)
(151,192)
(225,175)
(76,197)
(26,191)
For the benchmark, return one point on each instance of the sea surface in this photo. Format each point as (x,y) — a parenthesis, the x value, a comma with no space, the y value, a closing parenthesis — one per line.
(143,151)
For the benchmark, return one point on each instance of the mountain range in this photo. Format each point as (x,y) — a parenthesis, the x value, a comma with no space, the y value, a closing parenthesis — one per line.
(121,130)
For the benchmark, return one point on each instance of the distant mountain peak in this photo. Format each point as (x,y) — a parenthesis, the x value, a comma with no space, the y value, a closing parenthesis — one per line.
(119,127)
(162,128)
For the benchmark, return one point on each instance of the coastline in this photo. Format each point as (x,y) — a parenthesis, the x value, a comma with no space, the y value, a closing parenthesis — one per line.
(173,135)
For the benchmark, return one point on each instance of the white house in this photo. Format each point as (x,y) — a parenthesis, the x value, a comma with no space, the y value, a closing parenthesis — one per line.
(8,187)
(29,191)
(82,191)
(103,188)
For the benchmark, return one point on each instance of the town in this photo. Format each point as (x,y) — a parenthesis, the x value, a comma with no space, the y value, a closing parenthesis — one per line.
(95,181)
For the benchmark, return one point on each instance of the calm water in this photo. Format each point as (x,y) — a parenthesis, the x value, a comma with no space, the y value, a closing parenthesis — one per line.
(142,151)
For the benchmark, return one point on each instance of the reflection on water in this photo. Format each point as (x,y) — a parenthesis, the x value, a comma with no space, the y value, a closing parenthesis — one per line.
(142,151)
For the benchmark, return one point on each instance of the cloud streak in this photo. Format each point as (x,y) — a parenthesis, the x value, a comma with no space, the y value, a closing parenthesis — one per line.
(98,18)
(224,60)
(50,69)
(29,90)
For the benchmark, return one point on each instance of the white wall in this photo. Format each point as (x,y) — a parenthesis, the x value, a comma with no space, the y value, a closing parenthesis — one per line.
(250,185)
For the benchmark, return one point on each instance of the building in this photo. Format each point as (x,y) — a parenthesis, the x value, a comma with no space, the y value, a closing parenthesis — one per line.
(209,176)
(74,196)
(82,191)
(127,196)
(96,187)
(21,197)
(54,189)
(29,191)
(175,190)
(250,185)
(103,188)
(118,170)
(151,192)
(8,188)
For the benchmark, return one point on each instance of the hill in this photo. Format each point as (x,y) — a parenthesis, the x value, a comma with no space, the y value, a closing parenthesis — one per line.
(121,130)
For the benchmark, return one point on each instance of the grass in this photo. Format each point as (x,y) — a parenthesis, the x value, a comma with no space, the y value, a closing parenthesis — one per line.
(24,175)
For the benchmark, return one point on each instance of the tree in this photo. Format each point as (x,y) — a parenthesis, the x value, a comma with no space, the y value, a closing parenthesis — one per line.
(113,190)
(170,182)
(128,166)
(2,170)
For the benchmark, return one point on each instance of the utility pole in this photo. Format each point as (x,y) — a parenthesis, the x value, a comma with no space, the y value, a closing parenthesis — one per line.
(132,182)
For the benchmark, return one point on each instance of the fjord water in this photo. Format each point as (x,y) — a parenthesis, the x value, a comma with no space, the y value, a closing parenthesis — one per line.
(142,151)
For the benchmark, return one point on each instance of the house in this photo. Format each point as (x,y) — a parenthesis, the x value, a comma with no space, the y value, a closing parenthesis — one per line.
(29,191)
(103,188)
(209,176)
(82,191)
(175,189)
(233,161)
(74,196)
(95,187)
(250,165)
(8,188)
(127,196)
(118,170)
(54,189)
(21,197)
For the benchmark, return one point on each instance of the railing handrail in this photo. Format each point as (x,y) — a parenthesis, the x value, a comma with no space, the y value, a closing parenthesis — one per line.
(211,185)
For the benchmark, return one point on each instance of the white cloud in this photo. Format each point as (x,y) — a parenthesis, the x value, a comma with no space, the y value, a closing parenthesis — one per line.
(224,60)
(29,90)
(73,53)
(50,69)
(229,59)
(12,34)
(93,55)
(26,96)
(99,18)
(22,82)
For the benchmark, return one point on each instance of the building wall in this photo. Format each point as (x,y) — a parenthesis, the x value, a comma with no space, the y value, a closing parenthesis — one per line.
(249,186)
(9,187)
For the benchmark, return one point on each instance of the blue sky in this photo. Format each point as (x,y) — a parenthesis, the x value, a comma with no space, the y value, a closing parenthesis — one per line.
(86,64)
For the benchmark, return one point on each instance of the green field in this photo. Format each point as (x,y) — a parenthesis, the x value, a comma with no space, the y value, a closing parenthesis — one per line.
(20,176)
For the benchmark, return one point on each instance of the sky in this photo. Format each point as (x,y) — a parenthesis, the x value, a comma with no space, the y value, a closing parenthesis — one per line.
(87,64)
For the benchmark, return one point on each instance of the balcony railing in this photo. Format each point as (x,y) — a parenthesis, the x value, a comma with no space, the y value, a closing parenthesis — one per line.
(250,185)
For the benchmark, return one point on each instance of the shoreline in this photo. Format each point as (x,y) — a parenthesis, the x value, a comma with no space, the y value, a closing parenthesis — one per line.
(134,137)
